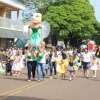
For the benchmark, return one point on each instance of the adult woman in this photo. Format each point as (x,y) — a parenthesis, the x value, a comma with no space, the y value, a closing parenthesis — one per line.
(31,64)
(86,62)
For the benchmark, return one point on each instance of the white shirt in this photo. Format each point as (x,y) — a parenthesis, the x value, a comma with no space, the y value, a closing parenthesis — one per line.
(87,57)
(43,60)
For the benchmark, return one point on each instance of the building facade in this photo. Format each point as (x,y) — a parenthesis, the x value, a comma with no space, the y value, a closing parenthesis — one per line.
(11,25)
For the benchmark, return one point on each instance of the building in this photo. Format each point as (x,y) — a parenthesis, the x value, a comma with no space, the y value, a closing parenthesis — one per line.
(11,26)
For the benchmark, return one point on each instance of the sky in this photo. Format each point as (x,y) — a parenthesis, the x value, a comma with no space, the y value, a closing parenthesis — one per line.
(96,5)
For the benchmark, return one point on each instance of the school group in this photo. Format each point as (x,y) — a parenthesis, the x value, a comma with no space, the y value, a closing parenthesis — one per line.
(54,62)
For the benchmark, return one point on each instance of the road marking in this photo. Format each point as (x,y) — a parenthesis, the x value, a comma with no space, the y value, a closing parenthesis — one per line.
(16,91)
(7,92)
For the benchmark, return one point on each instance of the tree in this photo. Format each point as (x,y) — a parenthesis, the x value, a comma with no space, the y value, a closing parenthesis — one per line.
(71,18)
(96,35)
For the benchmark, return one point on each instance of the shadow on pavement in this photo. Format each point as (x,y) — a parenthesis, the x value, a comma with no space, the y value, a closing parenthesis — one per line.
(22,98)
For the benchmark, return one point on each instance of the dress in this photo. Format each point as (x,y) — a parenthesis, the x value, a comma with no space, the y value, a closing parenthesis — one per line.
(63,65)
(16,64)
(22,62)
(94,65)
(71,67)
(35,36)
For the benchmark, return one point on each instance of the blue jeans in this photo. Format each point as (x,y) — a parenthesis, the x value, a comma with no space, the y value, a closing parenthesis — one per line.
(53,68)
(31,67)
(40,71)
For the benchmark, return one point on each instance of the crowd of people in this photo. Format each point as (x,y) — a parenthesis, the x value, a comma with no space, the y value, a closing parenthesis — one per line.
(54,62)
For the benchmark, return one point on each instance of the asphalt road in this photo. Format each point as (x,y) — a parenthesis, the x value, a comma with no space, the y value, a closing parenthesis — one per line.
(50,89)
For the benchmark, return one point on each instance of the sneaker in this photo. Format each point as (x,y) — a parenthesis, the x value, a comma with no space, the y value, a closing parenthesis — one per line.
(38,80)
(70,78)
(94,76)
(28,80)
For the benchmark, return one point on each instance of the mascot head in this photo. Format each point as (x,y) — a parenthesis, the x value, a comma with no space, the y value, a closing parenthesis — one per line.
(36,20)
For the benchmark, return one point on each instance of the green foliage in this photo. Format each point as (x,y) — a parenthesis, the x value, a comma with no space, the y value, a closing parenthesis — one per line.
(96,34)
(71,16)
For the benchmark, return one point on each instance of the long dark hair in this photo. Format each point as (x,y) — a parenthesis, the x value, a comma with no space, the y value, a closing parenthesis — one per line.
(64,56)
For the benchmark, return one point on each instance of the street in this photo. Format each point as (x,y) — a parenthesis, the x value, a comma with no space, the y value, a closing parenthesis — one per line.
(13,88)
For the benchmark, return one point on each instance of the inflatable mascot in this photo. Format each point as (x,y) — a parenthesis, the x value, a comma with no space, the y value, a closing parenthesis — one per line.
(35,26)
(34,32)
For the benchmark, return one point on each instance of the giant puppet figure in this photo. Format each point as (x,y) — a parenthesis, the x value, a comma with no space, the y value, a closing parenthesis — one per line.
(91,45)
(35,25)
(34,32)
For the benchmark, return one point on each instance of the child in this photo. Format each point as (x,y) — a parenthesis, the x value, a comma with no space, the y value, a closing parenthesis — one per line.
(94,66)
(77,64)
(8,67)
(2,70)
(16,65)
(58,64)
(71,68)
(63,65)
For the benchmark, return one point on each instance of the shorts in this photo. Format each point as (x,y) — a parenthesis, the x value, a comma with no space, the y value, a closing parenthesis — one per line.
(86,65)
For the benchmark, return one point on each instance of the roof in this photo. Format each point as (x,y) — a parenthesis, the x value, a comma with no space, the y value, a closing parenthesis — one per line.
(13,4)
